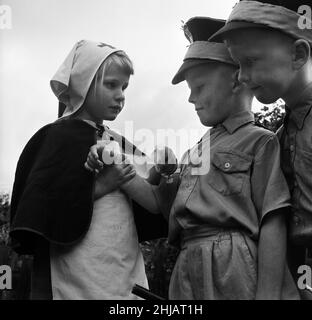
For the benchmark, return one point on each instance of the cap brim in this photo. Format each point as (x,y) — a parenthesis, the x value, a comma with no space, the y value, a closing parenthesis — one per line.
(219,36)
(188,64)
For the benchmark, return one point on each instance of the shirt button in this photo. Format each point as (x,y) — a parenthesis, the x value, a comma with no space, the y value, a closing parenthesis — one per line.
(292,147)
(227,165)
(296,220)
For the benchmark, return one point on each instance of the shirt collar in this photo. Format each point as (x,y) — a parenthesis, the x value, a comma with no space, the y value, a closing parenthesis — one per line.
(237,120)
(301,109)
(100,128)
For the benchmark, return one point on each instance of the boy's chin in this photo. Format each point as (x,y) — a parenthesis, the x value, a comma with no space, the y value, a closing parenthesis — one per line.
(207,122)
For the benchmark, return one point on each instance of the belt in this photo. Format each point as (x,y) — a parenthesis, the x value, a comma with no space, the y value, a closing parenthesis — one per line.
(207,232)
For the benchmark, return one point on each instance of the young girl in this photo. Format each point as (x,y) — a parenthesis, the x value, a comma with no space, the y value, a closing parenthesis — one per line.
(78,225)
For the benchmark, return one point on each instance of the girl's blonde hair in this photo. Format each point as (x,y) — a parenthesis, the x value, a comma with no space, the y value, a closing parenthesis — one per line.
(119,58)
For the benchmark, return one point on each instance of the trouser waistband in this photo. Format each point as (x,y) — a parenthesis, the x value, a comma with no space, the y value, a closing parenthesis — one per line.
(208,232)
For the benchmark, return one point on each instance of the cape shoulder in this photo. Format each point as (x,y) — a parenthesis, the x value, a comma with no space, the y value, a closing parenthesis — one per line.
(53,192)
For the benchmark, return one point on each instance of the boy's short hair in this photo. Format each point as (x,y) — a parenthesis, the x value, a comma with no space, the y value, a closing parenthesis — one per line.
(279,15)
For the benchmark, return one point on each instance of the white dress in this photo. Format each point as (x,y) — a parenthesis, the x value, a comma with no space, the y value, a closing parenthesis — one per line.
(107,262)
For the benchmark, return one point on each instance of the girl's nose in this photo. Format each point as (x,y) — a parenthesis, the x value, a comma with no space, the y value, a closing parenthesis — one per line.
(120,96)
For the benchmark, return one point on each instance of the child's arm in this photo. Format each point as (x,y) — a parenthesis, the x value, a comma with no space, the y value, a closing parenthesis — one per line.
(271,198)
(271,256)
(111,178)
(142,192)
(156,199)
(138,188)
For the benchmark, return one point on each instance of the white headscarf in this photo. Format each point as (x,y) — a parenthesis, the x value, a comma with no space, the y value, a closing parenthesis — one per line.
(72,80)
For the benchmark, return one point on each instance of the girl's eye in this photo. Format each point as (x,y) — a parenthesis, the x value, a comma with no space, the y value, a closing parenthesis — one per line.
(124,87)
(110,85)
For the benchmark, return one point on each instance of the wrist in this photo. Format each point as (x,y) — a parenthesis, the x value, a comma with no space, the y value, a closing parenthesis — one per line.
(100,190)
(125,185)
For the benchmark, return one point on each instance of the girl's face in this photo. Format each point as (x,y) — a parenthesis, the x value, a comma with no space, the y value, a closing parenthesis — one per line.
(106,96)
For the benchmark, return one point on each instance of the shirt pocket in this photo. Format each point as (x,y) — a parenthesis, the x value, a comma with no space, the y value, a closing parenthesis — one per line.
(229,171)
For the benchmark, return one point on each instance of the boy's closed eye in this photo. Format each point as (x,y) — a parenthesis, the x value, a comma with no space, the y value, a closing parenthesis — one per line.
(198,88)
(249,61)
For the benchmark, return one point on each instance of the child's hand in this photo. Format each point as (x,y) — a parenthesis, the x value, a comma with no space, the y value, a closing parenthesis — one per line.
(104,152)
(111,177)
(93,162)
(165,160)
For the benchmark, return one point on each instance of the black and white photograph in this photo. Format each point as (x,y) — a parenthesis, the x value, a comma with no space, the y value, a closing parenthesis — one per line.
(156,150)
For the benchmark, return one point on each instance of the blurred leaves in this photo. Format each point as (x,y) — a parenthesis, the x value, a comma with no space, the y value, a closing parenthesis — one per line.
(271,118)
(4,218)
(159,259)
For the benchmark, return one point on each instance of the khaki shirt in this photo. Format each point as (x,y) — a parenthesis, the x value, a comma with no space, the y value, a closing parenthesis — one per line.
(296,142)
(243,184)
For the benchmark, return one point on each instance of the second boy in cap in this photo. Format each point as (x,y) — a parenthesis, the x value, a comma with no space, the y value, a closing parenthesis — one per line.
(279,65)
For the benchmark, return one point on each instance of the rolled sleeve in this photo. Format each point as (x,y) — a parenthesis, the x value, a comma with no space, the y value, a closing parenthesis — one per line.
(268,184)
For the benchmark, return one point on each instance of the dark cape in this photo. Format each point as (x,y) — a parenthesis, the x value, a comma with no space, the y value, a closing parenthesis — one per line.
(52,196)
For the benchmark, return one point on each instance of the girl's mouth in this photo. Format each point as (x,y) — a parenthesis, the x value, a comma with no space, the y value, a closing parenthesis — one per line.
(115,108)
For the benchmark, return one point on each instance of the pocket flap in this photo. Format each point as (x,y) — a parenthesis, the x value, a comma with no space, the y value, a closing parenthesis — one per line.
(231,162)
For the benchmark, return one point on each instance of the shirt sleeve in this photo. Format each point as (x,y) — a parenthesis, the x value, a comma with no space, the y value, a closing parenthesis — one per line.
(268,184)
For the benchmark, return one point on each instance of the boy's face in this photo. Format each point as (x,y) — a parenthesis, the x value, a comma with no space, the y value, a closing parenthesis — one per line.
(265,60)
(106,97)
(211,91)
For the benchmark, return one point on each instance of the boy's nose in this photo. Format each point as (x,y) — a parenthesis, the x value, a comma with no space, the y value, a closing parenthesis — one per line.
(243,76)
(191,99)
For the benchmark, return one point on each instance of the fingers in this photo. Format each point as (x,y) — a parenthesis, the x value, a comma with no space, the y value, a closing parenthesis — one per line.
(129,176)
(96,150)
(93,163)
(127,169)
(87,167)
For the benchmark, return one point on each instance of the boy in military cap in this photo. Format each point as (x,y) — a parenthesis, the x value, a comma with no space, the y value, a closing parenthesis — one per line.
(279,65)
(230,221)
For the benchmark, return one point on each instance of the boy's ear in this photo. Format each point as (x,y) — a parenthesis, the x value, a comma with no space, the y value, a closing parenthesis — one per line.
(301,53)
(236,85)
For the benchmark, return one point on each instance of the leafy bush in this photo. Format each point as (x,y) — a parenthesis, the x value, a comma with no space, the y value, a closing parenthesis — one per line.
(20,265)
(271,119)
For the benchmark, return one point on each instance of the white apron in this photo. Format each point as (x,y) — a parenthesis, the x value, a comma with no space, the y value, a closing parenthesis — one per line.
(107,262)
